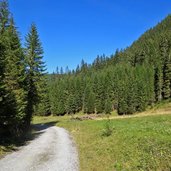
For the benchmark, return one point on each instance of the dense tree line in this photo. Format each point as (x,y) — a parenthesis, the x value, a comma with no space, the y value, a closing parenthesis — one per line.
(127,81)
(21,75)
(125,88)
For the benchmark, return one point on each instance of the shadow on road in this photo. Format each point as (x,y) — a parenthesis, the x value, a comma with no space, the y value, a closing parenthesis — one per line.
(12,144)
(38,129)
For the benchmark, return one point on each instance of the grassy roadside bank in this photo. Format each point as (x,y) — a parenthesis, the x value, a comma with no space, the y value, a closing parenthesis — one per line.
(135,143)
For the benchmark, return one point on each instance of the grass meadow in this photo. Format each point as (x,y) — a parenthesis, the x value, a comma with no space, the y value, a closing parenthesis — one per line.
(127,144)
(141,142)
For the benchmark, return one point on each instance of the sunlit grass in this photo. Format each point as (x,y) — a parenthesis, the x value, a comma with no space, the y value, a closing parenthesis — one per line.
(140,143)
(135,144)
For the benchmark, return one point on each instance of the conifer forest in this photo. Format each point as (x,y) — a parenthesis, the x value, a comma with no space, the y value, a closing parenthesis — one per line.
(128,81)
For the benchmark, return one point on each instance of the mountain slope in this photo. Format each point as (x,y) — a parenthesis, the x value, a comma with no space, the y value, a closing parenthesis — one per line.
(129,81)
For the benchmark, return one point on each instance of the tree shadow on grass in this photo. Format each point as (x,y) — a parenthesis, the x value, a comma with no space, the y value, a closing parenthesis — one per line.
(11,143)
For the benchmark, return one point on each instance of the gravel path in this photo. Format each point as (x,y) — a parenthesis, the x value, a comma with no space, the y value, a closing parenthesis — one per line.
(53,150)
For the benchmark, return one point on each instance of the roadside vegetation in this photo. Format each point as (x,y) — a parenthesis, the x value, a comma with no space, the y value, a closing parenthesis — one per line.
(140,142)
(137,143)
(134,143)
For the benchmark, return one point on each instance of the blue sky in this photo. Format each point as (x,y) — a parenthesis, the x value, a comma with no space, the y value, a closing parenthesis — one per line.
(72,30)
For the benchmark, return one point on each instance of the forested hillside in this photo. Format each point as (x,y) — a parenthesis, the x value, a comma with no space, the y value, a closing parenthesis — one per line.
(22,75)
(127,81)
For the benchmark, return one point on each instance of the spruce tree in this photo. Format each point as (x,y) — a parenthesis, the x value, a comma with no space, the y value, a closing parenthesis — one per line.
(108,106)
(4,16)
(56,96)
(89,100)
(15,73)
(8,94)
(131,95)
(99,94)
(157,84)
(71,104)
(165,56)
(35,69)
(166,78)
(7,100)
(43,108)
(122,106)
(78,94)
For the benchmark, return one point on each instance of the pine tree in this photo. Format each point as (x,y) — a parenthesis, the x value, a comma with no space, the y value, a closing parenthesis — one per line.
(35,69)
(43,108)
(122,106)
(131,95)
(71,104)
(15,73)
(99,94)
(4,16)
(108,106)
(89,100)
(78,94)
(157,84)
(7,101)
(9,95)
(165,56)
(166,78)
(56,96)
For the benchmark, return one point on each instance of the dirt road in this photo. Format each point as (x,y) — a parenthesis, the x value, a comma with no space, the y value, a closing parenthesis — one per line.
(53,150)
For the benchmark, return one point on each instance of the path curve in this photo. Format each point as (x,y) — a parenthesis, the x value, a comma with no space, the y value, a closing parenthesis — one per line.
(53,150)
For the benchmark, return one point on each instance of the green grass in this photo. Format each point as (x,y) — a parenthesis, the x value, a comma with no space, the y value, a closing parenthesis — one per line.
(135,144)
